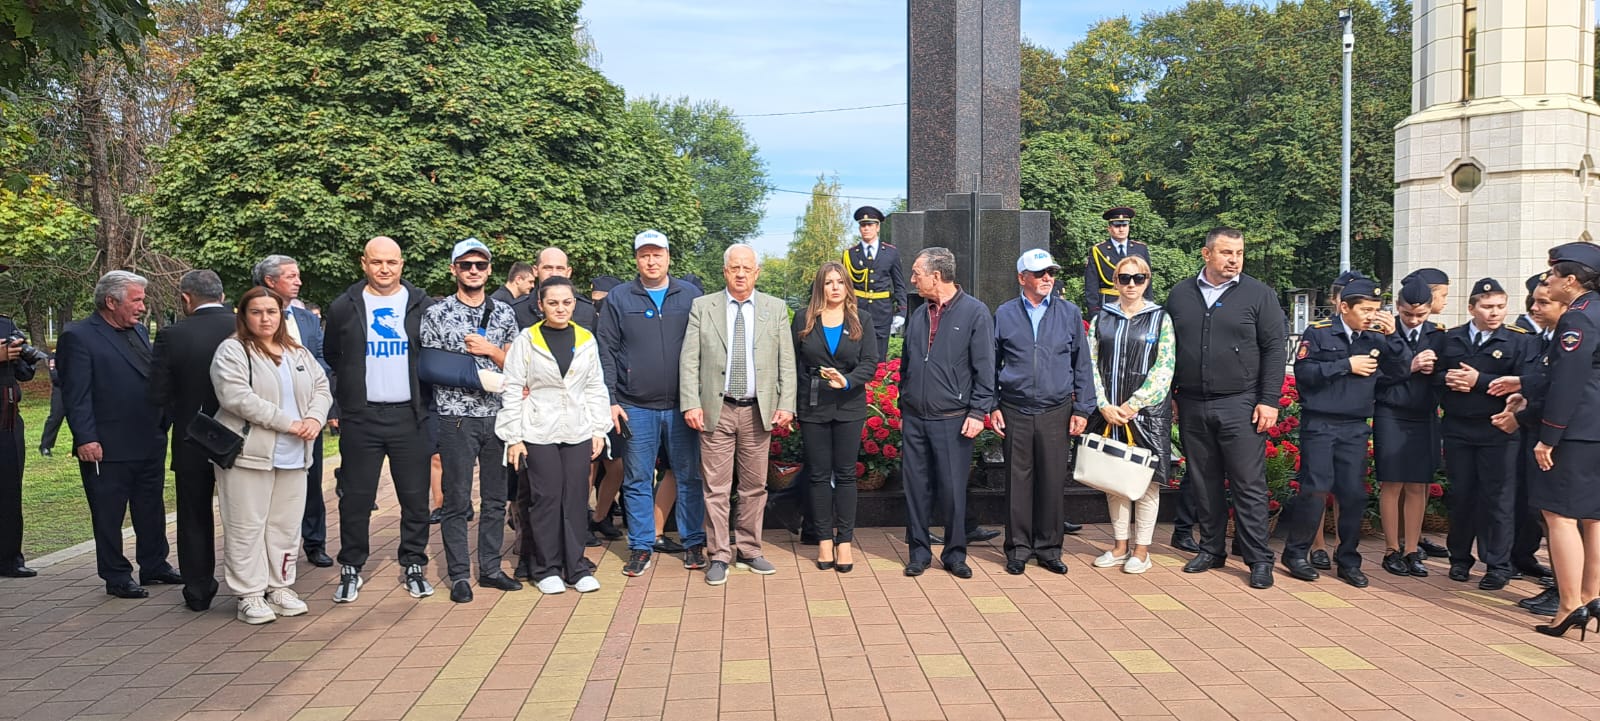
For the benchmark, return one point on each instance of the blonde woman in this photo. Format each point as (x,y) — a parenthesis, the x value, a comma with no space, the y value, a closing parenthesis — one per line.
(272,388)
(1132,351)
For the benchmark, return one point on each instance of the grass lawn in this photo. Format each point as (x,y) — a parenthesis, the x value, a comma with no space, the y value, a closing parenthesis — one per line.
(55,513)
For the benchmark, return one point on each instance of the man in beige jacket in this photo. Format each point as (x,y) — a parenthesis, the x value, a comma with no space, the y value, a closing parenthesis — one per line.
(736,382)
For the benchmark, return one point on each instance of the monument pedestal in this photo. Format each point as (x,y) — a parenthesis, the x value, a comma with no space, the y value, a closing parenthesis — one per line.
(986,267)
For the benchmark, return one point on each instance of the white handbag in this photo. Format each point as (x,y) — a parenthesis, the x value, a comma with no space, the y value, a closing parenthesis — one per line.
(1109,465)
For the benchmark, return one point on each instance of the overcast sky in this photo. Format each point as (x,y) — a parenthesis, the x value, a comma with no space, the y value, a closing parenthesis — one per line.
(765,56)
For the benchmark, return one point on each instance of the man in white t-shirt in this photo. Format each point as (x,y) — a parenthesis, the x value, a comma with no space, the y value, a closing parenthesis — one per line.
(371,343)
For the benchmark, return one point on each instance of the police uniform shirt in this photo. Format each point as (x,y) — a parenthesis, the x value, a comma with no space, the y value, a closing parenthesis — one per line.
(1501,352)
(1100,271)
(1322,368)
(876,281)
(1574,370)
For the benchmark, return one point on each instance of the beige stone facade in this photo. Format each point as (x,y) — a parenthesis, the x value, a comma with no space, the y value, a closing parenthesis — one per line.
(1497,161)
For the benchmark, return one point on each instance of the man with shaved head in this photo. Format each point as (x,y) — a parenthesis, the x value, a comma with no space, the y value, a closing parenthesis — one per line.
(553,263)
(369,341)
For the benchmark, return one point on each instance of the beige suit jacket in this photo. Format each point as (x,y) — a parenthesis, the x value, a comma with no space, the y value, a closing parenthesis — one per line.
(702,370)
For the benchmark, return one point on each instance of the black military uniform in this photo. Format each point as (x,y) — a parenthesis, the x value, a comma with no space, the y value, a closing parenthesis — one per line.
(1569,423)
(1335,405)
(12,373)
(1405,423)
(1480,459)
(877,280)
(1100,268)
(526,309)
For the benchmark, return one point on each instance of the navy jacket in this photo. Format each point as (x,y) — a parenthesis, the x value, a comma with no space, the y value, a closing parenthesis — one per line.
(1569,414)
(1322,369)
(1506,353)
(104,387)
(1034,375)
(1412,396)
(640,344)
(955,375)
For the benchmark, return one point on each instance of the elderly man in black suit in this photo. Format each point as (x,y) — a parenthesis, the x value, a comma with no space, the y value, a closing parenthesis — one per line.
(180,384)
(120,440)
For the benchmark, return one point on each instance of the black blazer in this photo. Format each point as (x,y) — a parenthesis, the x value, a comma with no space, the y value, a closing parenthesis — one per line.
(816,401)
(180,372)
(103,389)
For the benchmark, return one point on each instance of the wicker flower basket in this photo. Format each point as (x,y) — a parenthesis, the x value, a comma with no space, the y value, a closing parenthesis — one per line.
(781,475)
(1435,523)
(872,481)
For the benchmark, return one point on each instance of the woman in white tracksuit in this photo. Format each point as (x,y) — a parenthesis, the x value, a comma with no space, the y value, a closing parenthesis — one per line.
(553,434)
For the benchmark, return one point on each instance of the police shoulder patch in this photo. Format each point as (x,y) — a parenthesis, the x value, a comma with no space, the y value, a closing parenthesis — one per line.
(1571,339)
(1305,350)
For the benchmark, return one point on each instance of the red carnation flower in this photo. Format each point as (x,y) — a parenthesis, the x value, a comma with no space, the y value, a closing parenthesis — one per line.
(875,422)
(1275,433)
(1435,490)
(777,448)
(860,468)
(893,423)
(1272,450)
(1297,464)
(891,452)
(881,434)
(870,447)
(865,434)
(895,376)
(1273,505)
(1285,401)
(1294,486)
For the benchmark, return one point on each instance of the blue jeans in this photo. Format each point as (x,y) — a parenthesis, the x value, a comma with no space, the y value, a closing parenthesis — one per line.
(651,429)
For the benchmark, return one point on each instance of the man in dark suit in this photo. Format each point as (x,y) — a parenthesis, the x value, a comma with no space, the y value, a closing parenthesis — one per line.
(180,383)
(16,365)
(877,279)
(120,441)
(281,274)
(1101,265)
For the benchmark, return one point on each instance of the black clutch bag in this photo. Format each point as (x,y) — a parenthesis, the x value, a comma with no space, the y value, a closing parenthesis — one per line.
(217,441)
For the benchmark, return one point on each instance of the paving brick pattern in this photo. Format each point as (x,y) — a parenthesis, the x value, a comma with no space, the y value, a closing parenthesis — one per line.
(804,644)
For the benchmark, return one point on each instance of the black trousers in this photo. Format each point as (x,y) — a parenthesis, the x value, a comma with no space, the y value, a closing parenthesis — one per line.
(465,442)
(314,524)
(196,482)
(1333,461)
(52,423)
(115,490)
(555,510)
(1037,449)
(1483,500)
(11,465)
(1528,521)
(933,466)
(1183,520)
(831,452)
(368,436)
(1222,443)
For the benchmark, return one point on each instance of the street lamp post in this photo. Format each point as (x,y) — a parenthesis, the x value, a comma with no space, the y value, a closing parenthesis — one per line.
(1347,22)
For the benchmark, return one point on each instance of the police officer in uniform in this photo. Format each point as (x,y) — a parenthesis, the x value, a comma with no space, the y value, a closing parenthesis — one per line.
(877,279)
(1480,458)
(1337,367)
(1405,434)
(1100,268)
(1524,407)
(14,368)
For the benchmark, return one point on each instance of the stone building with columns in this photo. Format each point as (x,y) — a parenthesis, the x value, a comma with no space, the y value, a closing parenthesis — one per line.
(1496,162)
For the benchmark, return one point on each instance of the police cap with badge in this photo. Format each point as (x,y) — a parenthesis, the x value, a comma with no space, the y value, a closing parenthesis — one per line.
(1121,215)
(868,214)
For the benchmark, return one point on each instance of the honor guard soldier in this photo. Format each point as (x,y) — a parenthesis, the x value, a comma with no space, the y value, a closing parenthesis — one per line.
(17,362)
(1480,458)
(1405,434)
(1099,270)
(1338,366)
(876,278)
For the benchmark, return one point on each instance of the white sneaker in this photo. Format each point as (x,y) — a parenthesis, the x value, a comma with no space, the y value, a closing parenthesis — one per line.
(587,584)
(254,611)
(349,585)
(1106,560)
(285,602)
(1135,565)
(551,585)
(415,582)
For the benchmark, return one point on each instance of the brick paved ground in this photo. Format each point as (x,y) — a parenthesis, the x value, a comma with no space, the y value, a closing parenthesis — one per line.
(803,644)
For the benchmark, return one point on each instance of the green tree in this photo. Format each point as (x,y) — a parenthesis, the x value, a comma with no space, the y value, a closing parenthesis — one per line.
(319,125)
(819,236)
(62,33)
(730,179)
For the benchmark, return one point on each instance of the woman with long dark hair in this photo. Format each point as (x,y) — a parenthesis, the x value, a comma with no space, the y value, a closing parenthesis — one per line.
(837,356)
(1568,452)
(272,389)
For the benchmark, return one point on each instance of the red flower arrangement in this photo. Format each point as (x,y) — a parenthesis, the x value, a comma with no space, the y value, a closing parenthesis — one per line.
(880,436)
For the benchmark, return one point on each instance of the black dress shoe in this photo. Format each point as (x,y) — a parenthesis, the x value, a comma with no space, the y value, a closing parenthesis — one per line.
(1534,571)
(318,557)
(915,569)
(979,535)
(461,591)
(1070,528)
(1414,565)
(1494,581)
(127,590)
(1016,567)
(1321,561)
(196,606)
(435,518)
(1543,596)
(1261,575)
(1395,562)
(1204,562)
(935,539)
(959,569)
(1054,565)
(604,527)
(1433,550)
(18,571)
(667,545)
(1544,604)
(1300,568)
(499,581)
(1353,576)
(1185,542)
(1460,572)
(592,542)
(167,575)
(44,451)
(522,571)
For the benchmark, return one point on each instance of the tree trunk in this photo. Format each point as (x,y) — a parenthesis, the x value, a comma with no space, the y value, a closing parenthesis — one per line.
(105,200)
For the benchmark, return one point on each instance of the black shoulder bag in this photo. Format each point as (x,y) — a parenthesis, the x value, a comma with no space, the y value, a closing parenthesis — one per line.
(219,442)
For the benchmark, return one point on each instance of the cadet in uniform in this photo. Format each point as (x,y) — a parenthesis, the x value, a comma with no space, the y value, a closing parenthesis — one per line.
(14,367)
(1568,451)
(1338,367)
(1480,458)
(1438,283)
(1405,434)
(877,279)
(1100,268)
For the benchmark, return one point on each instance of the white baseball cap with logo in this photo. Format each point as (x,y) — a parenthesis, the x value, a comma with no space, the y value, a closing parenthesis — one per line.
(649,237)
(1036,260)
(470,245)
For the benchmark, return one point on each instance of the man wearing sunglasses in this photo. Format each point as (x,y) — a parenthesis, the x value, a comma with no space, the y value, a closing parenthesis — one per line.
(471,323)
(1099,269)
(876,278)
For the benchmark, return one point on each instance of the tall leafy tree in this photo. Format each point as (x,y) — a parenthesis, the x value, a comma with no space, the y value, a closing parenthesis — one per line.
(319,125)
(61,33)
(730,179)
(819,236)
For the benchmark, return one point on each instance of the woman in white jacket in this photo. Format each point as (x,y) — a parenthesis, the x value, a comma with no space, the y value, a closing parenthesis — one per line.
(272,389)
(553,434)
